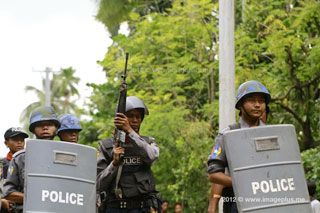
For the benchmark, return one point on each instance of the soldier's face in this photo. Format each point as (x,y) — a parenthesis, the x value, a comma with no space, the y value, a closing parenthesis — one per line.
(69,135)
(45,130)
(134,117)
(254,106)
(15,143)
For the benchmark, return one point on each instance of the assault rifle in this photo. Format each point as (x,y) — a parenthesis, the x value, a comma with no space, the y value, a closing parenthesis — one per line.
(120,135)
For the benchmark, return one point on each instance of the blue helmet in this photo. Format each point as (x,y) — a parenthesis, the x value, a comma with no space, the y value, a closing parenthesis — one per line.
(69,122)
(43,113)
(250,87)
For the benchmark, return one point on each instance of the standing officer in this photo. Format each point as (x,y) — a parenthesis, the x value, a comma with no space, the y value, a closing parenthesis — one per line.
(14,140)
(43,124)
(252,100)
(125,181)
(69,129)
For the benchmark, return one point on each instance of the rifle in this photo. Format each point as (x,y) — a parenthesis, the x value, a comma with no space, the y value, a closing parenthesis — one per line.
(120,136)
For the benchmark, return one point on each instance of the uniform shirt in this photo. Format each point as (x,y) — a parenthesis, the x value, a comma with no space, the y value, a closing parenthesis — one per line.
(315,205)
(107,171)
(15,178)
(217,161)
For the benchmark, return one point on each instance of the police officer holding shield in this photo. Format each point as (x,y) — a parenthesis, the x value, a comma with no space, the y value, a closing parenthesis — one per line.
(252,100)
(69,129)
(43,124)
(125,181)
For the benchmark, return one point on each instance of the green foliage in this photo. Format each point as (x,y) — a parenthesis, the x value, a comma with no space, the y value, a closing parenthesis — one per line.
(311,162)
(172,67)
(113,12)
(279,44)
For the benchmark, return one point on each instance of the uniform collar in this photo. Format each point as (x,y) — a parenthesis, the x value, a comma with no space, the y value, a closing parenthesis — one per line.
(9,156)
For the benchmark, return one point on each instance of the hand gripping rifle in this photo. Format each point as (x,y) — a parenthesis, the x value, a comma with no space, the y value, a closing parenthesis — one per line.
(120,136)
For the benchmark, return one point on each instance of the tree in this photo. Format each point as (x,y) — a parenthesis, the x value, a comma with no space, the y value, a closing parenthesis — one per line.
(113,12)
(311,162)
(279,44)
(63,89)
(172,67)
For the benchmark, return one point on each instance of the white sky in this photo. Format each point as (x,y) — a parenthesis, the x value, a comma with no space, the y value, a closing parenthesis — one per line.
(36,34)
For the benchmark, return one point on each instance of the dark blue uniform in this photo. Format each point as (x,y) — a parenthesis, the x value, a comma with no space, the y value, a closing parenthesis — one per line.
(136,180)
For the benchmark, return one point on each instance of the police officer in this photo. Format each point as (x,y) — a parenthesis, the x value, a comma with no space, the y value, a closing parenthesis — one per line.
(252,100)
(43,124)
(69,129)
(14,140)
(125,181)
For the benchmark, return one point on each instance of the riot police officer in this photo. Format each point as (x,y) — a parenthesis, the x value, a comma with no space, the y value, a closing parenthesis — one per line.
(125,181)
(69,129)
(43,124)
(252,100)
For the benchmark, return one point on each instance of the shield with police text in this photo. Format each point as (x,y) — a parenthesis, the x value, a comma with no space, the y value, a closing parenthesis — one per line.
(59,177)
(266,170)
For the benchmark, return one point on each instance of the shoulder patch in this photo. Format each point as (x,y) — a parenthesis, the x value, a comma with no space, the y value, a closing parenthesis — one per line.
(216,151)
(10,170)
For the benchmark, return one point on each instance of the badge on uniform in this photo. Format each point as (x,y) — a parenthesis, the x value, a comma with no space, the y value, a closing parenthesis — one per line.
(10,170)
(216,151)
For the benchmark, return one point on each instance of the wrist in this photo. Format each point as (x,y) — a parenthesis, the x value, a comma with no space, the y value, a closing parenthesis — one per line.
(128,131)
(115,163)
(216,196)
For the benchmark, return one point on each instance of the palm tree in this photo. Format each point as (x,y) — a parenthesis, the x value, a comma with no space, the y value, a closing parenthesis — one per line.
(63,91)
(64,88)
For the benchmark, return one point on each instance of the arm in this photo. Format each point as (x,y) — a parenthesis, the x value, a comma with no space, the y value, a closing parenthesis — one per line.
(216,191)
(217,162)
(220,178)
(107,168)
(152,150)
(11,187)
(15,197)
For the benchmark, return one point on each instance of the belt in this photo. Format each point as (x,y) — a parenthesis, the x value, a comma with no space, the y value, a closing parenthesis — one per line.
(126,204)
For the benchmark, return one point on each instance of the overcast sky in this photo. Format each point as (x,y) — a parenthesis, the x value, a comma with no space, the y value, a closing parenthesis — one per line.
(36,34)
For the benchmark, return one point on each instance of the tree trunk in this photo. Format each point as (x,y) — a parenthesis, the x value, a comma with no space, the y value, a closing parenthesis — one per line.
(307,140)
